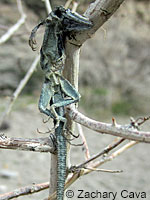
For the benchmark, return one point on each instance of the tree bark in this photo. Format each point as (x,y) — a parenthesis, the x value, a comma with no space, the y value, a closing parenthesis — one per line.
(125,131)
(36,145)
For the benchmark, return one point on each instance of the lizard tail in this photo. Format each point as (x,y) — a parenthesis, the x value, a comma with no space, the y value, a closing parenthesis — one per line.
(61,162)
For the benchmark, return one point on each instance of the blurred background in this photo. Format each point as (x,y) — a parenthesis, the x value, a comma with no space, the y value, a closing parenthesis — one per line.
(114,81)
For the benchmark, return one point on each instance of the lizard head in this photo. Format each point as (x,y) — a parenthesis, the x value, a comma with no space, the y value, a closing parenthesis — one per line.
(71,21)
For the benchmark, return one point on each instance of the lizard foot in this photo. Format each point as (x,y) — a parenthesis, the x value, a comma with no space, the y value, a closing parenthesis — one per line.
(57,123)
(45,121)
(71,133)
(74,169)
(69,141)
(32,41)
(49,131)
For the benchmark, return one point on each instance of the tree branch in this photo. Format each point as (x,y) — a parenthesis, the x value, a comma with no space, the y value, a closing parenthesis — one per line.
(37,145)
(125,131)
(85,146)
(105,151)
(98,13)
(74,6)
(16,26)
(48,6)
(67,4)
(109,157)
(77,174)
(24,191)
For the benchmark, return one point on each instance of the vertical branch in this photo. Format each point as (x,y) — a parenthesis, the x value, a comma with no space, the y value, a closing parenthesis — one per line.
(75,5)
(71,73)
(68,3)
(48,6)
(16,26)
(71,70)
(53,174)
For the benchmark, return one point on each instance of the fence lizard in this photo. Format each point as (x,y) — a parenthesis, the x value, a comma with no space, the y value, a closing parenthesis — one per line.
(57,92)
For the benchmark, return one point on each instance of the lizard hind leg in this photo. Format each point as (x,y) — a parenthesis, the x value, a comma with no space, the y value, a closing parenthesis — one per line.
(68,132)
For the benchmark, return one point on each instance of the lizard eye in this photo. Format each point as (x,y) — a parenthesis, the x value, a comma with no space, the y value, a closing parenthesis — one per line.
(58,13)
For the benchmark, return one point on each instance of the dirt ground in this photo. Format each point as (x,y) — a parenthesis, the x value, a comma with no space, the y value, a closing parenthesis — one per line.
(27,168)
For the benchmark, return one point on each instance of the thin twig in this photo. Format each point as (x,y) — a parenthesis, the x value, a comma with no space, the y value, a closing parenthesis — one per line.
(68,3)
(85,146)
(124,131)
(74,6)
(122,149)
(109,158)
(25,191)
(105,32)
(81,170)
(20,8)
(36,145)
(104,170)
(139,121)
(105,151)
(48,6)
(19,89)
(16,26)
(78,174)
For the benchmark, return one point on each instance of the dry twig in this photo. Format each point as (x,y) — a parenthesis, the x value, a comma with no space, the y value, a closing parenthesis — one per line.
(37,144)
(103,170)
(124,131)
(85,146)
(16,26)
(75,5)
(24,191)
(72,179)
(77,174)
(105,151)
(68,3)
(48,6)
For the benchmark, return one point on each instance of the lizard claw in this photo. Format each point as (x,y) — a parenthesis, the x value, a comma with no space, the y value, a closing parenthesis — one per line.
(57,123)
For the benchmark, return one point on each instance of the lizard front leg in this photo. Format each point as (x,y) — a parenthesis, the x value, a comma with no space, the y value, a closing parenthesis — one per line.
(32,41)
(45,98)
